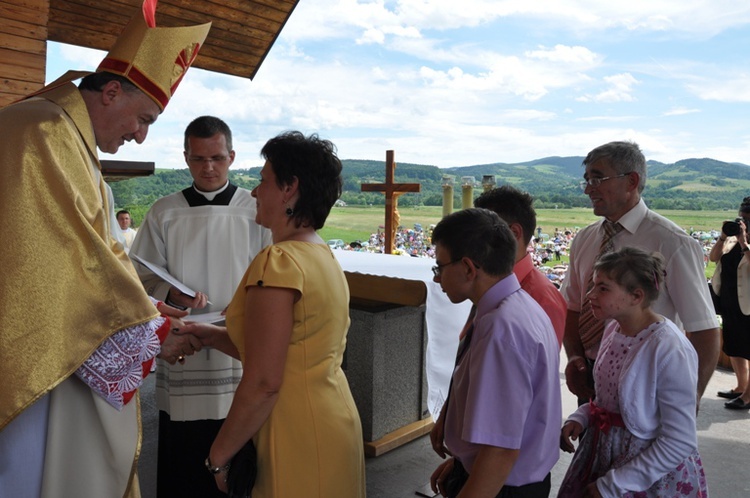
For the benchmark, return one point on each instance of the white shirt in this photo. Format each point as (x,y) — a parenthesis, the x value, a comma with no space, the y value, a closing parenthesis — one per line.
(685,298)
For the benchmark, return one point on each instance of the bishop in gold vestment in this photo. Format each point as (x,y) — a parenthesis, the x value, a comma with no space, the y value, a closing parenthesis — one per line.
(67,287)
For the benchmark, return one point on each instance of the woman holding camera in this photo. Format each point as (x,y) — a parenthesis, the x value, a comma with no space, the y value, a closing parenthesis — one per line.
(731,282)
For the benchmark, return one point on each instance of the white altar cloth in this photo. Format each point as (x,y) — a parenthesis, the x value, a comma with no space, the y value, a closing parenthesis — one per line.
(444,319)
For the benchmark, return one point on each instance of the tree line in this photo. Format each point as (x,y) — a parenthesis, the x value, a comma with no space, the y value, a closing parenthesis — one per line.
(691,184)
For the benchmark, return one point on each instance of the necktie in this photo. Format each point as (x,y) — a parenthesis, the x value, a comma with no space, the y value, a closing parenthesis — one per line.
(590,328)
(463,345)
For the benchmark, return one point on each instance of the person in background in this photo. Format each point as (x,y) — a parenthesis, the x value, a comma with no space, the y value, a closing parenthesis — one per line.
(731,278)
(72,305)
(614,180)
(640,435)
(504,403)
(516,208)
(205,236)
(288,323)
(128,233)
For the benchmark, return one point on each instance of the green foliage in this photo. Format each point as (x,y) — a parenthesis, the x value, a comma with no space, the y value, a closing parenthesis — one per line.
(690,184)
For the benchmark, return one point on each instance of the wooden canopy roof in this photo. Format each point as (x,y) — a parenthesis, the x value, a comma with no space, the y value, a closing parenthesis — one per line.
(242,34)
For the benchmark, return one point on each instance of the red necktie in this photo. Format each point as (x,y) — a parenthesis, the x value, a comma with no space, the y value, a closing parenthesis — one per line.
(590,328)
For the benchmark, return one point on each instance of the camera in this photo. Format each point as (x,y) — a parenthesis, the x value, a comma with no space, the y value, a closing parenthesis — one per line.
(731,228)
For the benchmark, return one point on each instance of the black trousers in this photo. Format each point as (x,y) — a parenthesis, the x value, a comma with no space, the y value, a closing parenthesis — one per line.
(183,448)
(458,477)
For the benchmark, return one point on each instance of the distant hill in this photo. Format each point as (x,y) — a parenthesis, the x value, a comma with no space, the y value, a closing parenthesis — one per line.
(690,184)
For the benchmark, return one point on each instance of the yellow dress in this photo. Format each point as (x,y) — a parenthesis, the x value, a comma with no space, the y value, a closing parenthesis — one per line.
(311,445)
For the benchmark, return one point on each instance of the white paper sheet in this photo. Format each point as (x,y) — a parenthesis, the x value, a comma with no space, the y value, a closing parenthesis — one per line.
(214,317)
(163,274)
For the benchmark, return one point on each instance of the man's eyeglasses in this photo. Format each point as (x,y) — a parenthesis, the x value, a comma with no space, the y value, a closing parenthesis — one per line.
(438,268)
(212,159)
(595,182)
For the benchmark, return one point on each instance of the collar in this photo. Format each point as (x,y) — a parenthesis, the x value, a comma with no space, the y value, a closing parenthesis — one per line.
(67,96)
(220,197)
(631,220)
(523,267)
(496,294)
(211,195)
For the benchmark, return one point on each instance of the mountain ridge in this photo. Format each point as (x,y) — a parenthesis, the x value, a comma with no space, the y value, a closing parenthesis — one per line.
(689,184)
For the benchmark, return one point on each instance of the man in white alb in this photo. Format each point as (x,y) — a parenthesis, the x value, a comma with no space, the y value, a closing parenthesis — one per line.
(128,232)
(206,237)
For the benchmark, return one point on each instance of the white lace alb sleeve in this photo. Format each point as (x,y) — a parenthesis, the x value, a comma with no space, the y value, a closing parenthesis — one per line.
(116,367)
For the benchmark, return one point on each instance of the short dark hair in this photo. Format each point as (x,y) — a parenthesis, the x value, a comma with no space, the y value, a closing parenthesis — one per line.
(513,206)
(634,268)
(207,127)
(623,157)
(95,82)
(122,211)
(480,235)
(314,163)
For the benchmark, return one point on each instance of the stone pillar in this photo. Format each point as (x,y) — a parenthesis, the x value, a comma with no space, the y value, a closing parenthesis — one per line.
(467,192)
(447,195)
(488,182)
(385,366)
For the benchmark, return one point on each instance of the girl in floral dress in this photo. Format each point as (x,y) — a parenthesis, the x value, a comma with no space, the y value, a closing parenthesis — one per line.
(640,436)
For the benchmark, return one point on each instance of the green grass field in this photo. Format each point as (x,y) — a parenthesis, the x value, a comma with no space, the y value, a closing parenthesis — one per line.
(358,222)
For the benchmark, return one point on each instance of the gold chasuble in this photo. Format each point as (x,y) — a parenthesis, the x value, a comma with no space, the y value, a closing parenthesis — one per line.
(66,286)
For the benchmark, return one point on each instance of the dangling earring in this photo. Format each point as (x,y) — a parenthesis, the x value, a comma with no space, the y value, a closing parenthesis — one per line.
(289,211)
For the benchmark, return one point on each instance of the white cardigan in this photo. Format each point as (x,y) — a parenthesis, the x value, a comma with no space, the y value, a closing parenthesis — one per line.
(657,390)
(743,277)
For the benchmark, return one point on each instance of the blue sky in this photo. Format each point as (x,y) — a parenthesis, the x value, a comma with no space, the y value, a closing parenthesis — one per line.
(466,82)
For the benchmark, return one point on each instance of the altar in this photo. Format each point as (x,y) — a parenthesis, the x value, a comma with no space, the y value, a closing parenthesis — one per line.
(401,345)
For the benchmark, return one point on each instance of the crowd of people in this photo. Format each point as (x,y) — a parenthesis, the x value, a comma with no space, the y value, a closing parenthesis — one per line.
(260,403)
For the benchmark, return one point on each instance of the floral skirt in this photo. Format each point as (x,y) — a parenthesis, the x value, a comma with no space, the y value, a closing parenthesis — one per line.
(597,455)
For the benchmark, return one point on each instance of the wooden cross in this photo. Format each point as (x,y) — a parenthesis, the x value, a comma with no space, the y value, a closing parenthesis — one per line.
(391,191)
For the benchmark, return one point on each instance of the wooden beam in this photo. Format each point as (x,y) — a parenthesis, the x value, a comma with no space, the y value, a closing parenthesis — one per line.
(23,44)
(389,290)
(23,50)
(21,64)
(19,88)
(31,13)
(242,34)
(126,169)
(24,29)
(398,437)
(27,77)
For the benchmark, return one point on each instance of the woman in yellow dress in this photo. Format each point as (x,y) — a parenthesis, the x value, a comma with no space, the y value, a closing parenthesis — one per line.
(287,323)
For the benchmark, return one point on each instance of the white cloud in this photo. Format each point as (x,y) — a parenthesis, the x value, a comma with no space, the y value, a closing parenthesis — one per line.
(372,36)
(455,83)
(731,88)
(620,90)
(586,18)
(680,111)
(580,56)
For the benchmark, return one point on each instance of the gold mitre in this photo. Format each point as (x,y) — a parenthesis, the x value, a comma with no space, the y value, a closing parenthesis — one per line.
(154,59)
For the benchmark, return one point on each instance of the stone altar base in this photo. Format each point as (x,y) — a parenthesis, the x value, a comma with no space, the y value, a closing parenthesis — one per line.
(384,360)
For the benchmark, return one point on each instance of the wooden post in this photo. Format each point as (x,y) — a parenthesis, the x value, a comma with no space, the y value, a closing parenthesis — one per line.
(391,191)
